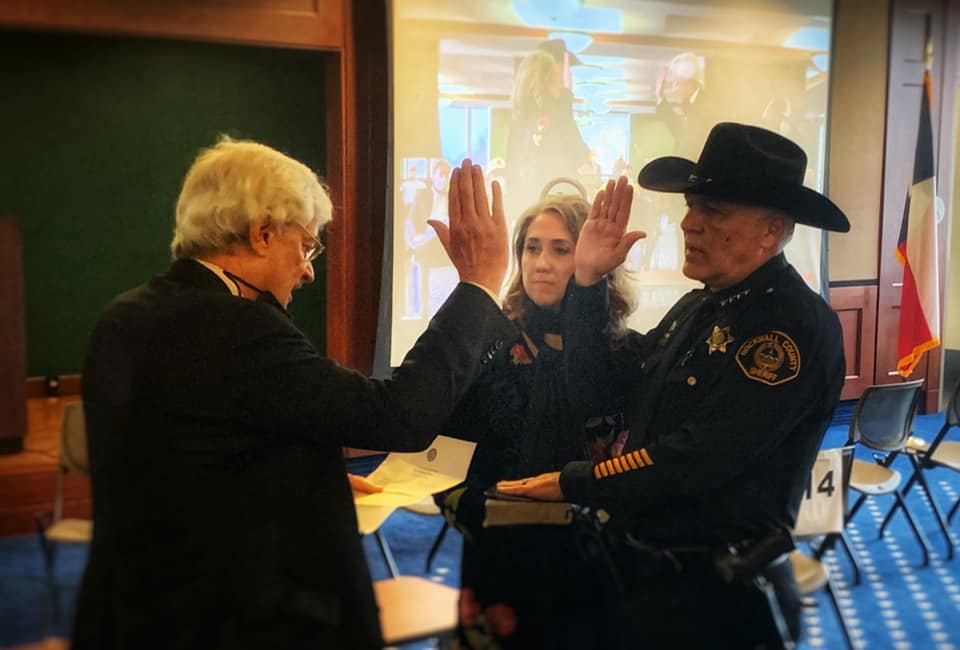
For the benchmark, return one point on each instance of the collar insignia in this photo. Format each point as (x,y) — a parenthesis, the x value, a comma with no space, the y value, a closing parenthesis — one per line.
(734,298)
(719,339)
(667,334)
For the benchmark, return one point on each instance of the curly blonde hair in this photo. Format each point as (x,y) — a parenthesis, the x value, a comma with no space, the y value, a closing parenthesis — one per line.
(573,211)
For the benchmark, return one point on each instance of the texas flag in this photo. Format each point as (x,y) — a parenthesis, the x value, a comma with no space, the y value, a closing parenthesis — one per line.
(917,251)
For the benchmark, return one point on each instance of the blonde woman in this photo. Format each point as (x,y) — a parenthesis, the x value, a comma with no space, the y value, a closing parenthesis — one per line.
(523,586)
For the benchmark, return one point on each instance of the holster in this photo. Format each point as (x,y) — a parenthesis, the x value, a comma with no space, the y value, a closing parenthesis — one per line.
(630,564)
(745,561)
(623,556)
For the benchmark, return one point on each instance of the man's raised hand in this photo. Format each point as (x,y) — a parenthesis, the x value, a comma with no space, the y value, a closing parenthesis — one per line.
(476,239)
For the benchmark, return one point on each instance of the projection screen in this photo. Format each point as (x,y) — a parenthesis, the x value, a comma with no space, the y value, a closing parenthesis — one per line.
(637,80)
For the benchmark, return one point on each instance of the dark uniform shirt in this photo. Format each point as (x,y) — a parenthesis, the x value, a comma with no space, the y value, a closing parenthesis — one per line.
(727,400)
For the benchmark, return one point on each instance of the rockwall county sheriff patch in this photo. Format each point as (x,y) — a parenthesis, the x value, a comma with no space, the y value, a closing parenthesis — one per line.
(772,358)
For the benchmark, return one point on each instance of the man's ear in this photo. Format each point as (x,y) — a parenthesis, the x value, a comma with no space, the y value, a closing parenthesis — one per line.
(774,231)
(261,234)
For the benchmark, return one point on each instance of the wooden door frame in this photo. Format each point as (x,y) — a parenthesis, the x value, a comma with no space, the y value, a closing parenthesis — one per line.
(356,117)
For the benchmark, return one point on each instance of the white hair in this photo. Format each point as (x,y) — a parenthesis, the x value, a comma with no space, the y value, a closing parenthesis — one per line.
(789,225)
(235,182)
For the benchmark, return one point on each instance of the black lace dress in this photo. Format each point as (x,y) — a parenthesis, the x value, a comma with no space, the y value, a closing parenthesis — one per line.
(525,586)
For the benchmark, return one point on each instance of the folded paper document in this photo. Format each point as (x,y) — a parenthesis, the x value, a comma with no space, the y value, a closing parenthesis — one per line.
(369,518)
(409,477)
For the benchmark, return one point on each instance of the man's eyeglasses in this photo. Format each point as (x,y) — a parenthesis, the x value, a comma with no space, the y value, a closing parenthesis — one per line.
(312,247)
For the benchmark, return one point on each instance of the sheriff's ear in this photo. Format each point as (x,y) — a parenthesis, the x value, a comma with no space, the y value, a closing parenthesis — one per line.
(261,234)
(776,227)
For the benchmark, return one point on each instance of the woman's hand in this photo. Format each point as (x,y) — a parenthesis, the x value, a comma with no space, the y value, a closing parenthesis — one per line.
(545,487)
(603,243)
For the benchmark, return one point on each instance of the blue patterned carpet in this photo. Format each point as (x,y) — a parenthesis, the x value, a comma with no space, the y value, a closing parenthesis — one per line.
(898,605)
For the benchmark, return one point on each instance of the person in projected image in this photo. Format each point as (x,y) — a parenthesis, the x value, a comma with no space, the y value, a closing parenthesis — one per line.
(521,586)
(424,251)
(223,515)
(727,402)
(681,102)
(544,141)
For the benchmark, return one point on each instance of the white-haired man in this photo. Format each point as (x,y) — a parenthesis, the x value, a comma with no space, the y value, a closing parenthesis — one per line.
(222,513)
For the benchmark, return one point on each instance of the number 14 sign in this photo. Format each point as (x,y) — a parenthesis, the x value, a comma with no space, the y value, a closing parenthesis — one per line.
(821,510)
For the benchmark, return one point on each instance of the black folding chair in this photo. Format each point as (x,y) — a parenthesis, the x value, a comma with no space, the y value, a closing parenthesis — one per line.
(882,421)
(938,454)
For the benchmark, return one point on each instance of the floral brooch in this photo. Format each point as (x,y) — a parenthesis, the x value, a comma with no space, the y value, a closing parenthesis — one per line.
(519,355)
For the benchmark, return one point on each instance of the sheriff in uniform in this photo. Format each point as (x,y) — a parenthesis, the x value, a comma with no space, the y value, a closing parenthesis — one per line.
(726,400)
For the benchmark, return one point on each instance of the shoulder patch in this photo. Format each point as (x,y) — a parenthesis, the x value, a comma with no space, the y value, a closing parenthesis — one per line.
(772,358)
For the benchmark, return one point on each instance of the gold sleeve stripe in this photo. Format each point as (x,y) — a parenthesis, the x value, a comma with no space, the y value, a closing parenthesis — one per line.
(620,464)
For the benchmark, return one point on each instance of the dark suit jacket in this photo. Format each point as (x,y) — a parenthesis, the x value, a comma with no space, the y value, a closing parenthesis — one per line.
(223,517)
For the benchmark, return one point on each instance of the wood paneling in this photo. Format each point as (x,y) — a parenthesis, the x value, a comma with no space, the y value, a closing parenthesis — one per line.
(28,479)
(13,344)
(856,306)
(356,119)
(69,385)
(299,23)
(49,643)
(358,144)
(30,492)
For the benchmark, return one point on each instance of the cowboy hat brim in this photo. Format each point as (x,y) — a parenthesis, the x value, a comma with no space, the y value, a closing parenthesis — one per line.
(806,206)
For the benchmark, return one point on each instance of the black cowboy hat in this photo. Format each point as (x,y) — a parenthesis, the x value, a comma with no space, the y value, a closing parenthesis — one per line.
(751,165)
(555,47)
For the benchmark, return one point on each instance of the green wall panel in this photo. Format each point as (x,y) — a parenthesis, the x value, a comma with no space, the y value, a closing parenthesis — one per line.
(98,133)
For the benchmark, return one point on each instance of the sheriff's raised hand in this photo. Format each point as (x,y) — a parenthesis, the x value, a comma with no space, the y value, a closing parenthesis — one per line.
(604,241)
(476,239)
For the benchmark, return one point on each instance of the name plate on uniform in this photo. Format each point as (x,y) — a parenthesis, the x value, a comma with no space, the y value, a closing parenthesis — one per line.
(821,510)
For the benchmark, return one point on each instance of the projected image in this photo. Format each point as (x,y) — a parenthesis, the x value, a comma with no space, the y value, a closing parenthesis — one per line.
(561,96)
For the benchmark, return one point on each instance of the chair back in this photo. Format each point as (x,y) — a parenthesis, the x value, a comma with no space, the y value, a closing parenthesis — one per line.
(883,419)
(574,183)
(951,419)
(73,440)
(953,407)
